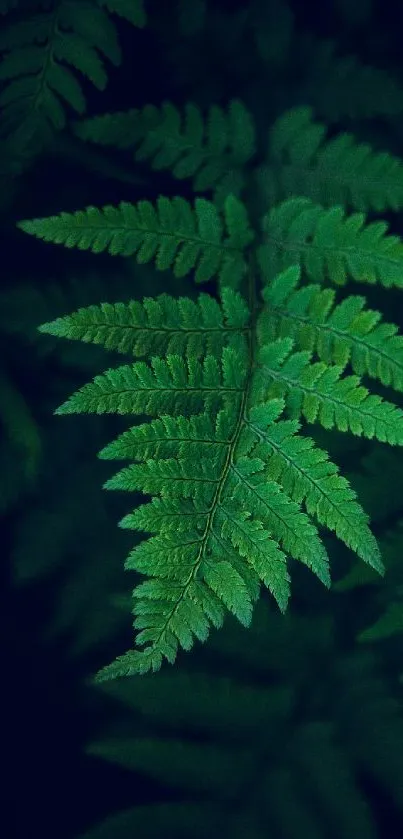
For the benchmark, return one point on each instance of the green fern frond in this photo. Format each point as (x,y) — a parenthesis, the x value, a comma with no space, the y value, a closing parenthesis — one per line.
(194,563)
(329,244)
(39,54)
(173,234)
(303,470)
(286,523)
(211,150)
(337,171)
(209,553)
(237,492)
(163,325)
(346,333)
(319,393)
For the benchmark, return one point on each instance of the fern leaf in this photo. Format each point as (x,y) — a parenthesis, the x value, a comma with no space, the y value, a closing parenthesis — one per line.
(337,171)
(346,333)
(172,477)
(320,394)
(330,245)
(173,234)
(166,385)
(172,437)
(255,545)
(159,326)
(253,490)
(209,150)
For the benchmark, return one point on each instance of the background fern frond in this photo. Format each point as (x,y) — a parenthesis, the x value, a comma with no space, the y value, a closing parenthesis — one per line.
(36,69)
(342,86)
(329,244)
(211,150)
(302,162)
(263,710)
(173,234)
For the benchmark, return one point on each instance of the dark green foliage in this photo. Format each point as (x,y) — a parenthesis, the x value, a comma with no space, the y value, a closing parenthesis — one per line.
(212,149)
(337,171)
(260,739)
(342,87)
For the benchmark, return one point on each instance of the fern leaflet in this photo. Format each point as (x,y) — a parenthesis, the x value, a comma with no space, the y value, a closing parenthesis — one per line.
(340,334)
(212,151)
(174,235)
(330,245)
(158,326)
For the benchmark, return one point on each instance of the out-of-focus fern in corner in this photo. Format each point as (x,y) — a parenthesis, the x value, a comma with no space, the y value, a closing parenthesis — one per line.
(43,51)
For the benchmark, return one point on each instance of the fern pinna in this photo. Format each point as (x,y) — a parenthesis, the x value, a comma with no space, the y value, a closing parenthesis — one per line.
(238,491)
